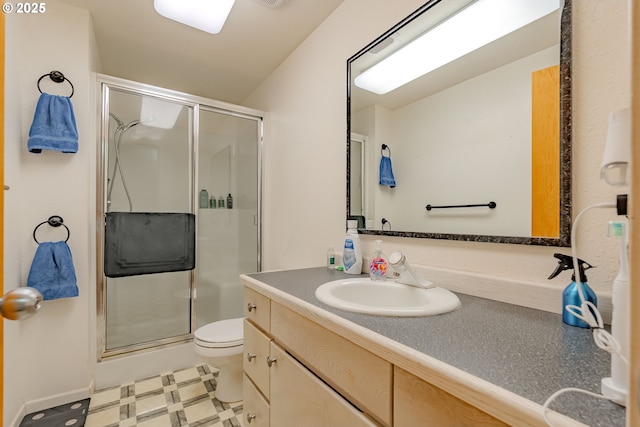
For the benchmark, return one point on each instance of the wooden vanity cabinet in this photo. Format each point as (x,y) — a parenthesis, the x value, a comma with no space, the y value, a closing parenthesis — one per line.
(280,391)
(418,403)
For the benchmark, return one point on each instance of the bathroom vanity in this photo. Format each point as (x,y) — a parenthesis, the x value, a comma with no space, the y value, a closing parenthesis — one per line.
(488,363)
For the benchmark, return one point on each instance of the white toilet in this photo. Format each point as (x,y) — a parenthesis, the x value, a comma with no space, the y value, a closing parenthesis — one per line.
(219,344)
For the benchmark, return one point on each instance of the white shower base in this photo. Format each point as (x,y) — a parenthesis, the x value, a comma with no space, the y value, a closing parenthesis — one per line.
(110,373)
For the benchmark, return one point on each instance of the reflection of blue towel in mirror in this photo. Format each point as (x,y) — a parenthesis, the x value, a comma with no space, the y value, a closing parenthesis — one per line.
(53,126)
(386,172)
(52,271)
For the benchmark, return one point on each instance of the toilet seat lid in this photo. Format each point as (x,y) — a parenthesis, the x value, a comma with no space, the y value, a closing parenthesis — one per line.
(224,333)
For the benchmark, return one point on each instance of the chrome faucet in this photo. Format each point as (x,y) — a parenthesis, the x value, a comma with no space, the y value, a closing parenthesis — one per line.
(406,274)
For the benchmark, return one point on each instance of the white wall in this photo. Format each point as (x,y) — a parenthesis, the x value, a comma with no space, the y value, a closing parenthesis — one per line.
(48,357)
(305,169)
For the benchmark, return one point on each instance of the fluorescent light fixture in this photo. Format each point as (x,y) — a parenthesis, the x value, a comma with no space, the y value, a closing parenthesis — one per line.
(205,15)
(478,24)
(159,114)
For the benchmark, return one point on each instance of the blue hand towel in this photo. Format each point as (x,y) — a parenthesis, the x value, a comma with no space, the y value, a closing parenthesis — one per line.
(54,125)
(386,173)
(52,271)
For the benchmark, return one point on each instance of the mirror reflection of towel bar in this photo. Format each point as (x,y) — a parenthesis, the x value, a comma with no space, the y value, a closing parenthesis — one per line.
(490,205)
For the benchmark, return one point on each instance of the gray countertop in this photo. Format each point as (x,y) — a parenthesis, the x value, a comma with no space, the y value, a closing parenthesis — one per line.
(529,352)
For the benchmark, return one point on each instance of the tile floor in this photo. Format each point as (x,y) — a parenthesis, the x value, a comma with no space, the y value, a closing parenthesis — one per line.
(171,399)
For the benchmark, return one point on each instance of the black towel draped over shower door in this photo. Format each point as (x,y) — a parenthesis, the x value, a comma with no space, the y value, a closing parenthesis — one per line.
(148,242)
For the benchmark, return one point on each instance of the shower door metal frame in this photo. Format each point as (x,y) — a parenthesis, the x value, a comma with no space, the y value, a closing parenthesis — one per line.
(104,85)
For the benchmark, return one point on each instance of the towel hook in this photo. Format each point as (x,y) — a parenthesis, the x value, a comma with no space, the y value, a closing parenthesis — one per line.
(57,77)
(385,147)
(54,221)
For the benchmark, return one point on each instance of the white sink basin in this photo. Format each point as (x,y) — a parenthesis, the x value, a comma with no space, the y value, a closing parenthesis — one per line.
(386,298)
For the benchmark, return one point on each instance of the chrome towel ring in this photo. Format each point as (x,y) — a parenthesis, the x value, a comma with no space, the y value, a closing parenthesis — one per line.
(54,221)
(57,77)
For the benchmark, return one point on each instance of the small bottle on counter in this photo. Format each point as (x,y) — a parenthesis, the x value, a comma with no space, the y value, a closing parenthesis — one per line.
(331,258)
(213,202)
(229,201)
(220,202)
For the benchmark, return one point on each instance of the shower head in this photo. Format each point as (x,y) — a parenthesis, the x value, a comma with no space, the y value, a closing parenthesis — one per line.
(118,121)
(130,125)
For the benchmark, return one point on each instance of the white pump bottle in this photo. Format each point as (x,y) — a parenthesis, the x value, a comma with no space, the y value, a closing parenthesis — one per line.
(352,252)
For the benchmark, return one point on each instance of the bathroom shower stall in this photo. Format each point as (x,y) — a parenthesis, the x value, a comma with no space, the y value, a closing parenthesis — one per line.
(161,152)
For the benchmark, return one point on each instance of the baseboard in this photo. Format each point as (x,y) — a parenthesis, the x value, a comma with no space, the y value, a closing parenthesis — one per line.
(19,416)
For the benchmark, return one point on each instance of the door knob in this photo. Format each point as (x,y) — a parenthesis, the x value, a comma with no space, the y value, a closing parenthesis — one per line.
(20,303)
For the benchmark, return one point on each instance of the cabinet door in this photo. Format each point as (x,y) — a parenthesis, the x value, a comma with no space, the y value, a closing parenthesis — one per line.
(418,403)
(300,399)
(255,407)
(256,351)
(359,375)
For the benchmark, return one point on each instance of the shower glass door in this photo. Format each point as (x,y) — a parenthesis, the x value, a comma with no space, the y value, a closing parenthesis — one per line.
(228,170)
(159,150)
(148,169)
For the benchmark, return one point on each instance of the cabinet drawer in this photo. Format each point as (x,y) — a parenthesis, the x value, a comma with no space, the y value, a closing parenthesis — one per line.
(257,307)
(256,351)
(418,403)
(255,407)
(300,399)
(364,378)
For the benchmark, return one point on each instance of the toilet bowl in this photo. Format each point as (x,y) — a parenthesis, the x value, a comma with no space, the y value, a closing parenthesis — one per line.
(219,344)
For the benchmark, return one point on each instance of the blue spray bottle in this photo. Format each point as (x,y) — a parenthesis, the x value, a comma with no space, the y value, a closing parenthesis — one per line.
(571,295)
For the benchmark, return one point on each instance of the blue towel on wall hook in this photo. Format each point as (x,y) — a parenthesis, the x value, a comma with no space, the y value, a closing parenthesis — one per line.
(386,172)
(53,126)
(52,271)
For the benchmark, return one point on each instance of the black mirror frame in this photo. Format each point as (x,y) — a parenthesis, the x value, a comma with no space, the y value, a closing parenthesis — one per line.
(564,238)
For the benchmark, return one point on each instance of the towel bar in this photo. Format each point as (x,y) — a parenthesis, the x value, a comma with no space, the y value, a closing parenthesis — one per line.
(490,205)
(54,221)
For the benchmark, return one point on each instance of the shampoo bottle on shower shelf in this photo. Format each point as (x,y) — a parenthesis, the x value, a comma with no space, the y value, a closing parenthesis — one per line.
(204,199)
(221,202)
(229,201)
(378,265)
(352,253)
(571,294)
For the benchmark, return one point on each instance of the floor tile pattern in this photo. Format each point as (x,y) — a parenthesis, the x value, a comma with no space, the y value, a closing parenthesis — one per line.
(172,399)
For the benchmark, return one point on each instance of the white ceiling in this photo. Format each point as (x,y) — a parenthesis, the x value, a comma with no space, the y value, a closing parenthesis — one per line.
(136,43)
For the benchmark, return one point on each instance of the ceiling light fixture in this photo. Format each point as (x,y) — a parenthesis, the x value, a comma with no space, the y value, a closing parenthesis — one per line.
(205,15)
(478,24)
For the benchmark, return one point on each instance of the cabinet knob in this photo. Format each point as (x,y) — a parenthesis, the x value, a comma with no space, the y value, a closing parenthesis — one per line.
(251,306)
(250,417)
(271,360)
(251,356)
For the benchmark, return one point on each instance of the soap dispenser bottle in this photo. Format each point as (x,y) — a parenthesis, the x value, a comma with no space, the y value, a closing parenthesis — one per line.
(352,252)
(378,265)
(571,294)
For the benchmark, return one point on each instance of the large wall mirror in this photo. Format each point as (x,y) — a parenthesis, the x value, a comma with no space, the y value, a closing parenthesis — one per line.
(477,149)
